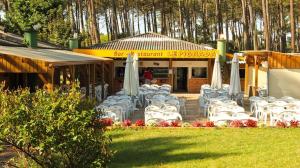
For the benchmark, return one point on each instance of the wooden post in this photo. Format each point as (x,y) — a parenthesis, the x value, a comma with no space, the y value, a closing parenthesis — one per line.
(256,74)
(246,83)
(209,69)
(102,73)
(111,77)
(170,76)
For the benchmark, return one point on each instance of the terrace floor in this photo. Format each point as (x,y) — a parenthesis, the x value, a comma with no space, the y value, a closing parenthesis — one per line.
(193,110)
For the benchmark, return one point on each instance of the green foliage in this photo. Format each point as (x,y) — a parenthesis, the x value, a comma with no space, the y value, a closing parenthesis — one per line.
(25,14)
(53,129)
(57,32)
(104,38)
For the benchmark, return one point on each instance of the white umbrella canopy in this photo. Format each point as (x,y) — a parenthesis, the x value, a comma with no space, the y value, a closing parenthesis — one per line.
(136,68)
(129,84)
(216,81)
(235,83)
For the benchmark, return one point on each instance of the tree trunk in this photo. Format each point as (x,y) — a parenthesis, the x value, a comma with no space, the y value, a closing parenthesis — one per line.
(126,20)
(154,16)
(163,19)
(93,22)
(107,25)
(114,20)
(246,40)
(138,17)
(219,18)
(252,14)
(266,24)
(282,43)
(292,20)
(180,20)
(145,23)
(132,21)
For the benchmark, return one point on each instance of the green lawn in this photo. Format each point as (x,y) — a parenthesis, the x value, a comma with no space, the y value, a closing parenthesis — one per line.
(188,147)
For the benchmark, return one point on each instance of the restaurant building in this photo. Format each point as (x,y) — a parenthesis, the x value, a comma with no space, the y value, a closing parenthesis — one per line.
(184,65)
(278,73)
(46,66)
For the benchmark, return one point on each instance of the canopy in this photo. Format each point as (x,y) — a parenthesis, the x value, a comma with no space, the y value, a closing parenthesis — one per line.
(129,85)
(235,83)
(216,81)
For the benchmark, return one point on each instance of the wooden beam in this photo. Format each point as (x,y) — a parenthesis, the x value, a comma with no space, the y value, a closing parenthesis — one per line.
(170,76)
(209,69)
(256,74)
(102,74)
(246,83)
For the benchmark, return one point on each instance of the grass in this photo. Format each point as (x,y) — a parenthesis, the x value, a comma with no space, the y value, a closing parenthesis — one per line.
(188,147)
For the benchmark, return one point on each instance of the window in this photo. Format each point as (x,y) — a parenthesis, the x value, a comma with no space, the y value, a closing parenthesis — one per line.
(242,73)
(160,72)
(199,72)
(120,71)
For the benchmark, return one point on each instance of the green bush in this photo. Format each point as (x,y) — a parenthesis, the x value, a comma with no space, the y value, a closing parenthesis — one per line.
(53,129)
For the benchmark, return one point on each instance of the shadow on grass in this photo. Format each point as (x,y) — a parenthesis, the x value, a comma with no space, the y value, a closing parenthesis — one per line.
(157,151)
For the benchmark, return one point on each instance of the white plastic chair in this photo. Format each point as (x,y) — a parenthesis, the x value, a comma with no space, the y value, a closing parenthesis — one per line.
(274,113)
(98,93)
(170,108)
(222,116)
(105,90)
(172,116)
(182,102)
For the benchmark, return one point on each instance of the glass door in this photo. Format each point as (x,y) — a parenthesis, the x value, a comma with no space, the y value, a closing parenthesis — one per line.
(180,79)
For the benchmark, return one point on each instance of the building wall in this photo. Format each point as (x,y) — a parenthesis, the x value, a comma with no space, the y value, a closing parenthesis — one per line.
(284,82)
(193,84)
(262,77)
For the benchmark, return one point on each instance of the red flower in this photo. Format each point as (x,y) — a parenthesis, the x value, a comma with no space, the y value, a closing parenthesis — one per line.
(127,123)
(163,124)
(175,123)
(251,123)
(209,124)
(197,124)
(281,124)
(294,123)
(236,123)
(140,123)
(105,122)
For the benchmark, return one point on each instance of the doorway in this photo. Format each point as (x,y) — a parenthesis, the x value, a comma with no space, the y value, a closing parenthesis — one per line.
(180,79)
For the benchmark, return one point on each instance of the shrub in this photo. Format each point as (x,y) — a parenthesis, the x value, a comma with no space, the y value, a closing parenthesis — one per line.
(163,124)
(251,123)
(126,123)
(209,124)
(105,122)
(197,124)
(140,123)
(281,124)
(236,123)
(54,129)
(175,123)
(294,123)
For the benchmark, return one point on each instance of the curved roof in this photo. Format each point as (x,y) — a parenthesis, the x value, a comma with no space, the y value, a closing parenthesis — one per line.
(150,41)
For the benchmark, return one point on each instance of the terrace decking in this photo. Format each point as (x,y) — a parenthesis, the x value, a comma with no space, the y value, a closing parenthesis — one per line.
(193,110)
